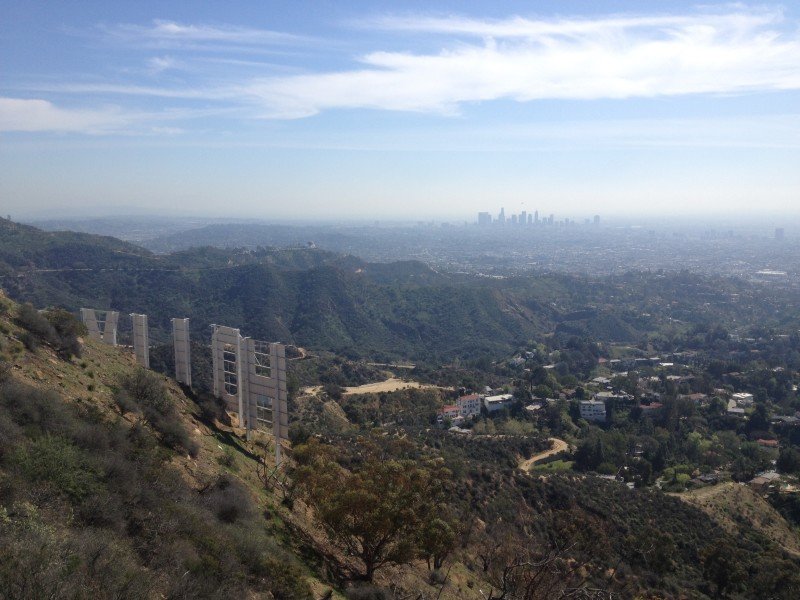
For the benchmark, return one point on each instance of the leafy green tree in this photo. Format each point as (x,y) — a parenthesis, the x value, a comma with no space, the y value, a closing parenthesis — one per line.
(436,540)
(788,460)
(724,567)
(377,513)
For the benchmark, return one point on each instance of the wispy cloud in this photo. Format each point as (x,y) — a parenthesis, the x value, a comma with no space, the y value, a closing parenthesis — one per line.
(735,51)
(520,27)
(170,34)
(159,64)
(520,59)
(17,114)
(38,115)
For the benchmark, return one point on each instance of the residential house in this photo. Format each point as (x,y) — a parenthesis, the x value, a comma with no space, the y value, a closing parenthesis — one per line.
(469,405)
(499,402)
(593,410)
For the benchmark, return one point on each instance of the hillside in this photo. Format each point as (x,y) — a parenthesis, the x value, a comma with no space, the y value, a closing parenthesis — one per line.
(129,486)
(311,298)
(121,499)
(118,501)
(738,508)
(383,312)
(26,247)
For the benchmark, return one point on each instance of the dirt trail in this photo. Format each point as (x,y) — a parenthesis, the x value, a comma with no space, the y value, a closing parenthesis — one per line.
(558,446)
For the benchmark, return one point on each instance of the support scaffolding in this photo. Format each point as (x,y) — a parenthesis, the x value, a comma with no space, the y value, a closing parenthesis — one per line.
(102,324)
(141,340)
(183,357)
(250,376)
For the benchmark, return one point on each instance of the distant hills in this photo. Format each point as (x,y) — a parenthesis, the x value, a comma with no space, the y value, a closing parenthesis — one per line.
(304,296)
(336,302)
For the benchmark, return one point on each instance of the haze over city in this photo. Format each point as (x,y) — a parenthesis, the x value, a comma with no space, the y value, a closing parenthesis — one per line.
(371,300)
(377,110)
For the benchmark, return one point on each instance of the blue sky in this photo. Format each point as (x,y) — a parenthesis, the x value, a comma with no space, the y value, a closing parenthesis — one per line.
(399,110)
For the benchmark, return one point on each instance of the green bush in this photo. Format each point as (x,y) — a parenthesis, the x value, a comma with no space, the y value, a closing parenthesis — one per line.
(68,329)
(57,328)
(144,392)
(36,323)
(56,460)
(286,581)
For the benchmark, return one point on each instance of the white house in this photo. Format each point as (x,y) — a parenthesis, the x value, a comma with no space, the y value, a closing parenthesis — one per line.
(593,410)
(449,413)
(499,402)
(469,405)
(743,399)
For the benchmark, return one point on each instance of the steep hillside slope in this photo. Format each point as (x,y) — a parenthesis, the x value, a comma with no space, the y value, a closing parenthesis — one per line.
(738,509)
(114,484)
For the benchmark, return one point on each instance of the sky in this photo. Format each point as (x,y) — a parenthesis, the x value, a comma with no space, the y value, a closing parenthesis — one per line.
(399,110)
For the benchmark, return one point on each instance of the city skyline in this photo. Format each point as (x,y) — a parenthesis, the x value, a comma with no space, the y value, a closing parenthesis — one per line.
(355,109)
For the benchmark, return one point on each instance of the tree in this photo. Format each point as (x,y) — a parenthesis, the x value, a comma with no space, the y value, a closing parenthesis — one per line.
(788,460)
(378,513)
(436,539)
(723,566)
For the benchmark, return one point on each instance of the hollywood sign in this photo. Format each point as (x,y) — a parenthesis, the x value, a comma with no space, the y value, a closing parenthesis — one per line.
(249,375)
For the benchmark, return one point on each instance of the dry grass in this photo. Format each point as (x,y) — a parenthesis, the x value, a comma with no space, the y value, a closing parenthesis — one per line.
(729,501)
(390,385)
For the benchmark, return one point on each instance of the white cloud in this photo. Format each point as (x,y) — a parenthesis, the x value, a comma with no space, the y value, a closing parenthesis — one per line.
(161,33)
(524,60)
(159,64)
(37,115)
(18,114)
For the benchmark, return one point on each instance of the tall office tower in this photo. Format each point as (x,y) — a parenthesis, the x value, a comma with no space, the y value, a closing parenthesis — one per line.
(536,217)
(551,219)
(779,233)
(523,217)
(513,219)
(484,218)
(501,218)
(597,219)
(530,219)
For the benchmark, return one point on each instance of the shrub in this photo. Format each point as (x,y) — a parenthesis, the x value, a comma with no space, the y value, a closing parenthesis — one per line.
(211,408)
(125,402)
(5,371)
(228,459)
(30,341)
(36,323)
(67,328)
(36,411)
(286,581)
(228,500)
(58,328)
(367,592)
(144,392)
(55,460)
